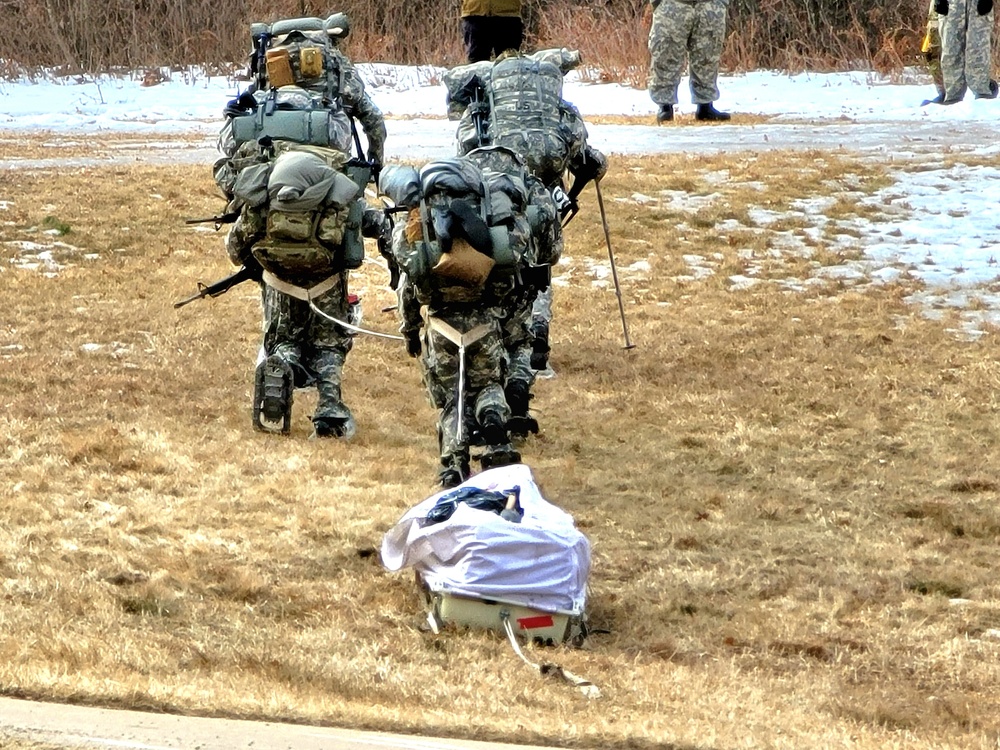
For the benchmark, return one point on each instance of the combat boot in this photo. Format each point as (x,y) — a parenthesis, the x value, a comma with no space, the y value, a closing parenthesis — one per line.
(455,471)
(335,427)
(540,348)
(272,396)
(521,423)
(665,113)
(492,429)
(708,113)
(499,455)
(499,451)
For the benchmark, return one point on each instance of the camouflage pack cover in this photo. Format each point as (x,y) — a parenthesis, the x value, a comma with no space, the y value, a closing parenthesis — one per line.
(300,52)
(312,214)
(453,192)
(401,184)
(524,108)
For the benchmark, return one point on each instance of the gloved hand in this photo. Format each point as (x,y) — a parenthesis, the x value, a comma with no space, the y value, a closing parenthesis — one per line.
(413,347)
(563,202)
(241,105)
(941,7)
(375,159)
(984,6)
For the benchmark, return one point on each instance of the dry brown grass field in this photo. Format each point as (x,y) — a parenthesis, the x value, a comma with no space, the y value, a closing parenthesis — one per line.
(791,492)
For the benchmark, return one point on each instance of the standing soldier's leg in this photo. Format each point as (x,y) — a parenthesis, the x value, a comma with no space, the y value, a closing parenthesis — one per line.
(952,29)
(508,33)
(476,37)
(978,51)
(325,349)
(668,40)
(704,52)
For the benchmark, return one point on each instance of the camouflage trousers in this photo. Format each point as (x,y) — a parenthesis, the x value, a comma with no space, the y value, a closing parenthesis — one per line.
(691,31)
(517,339)
(484,369)
(966,40)
(312,345)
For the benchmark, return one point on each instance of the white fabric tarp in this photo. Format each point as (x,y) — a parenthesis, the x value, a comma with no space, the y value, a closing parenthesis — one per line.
(542,562)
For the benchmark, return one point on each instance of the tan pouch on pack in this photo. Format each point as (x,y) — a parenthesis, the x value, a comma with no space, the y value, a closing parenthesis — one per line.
(465,264)
(311,62)
(279,68)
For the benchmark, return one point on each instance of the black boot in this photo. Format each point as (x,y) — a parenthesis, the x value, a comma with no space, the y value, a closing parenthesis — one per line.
(665,113)
(708,113)
(521,423)
(492,429)
(540,348)
(455,470)
(335,427)
(939,99)
(499,455)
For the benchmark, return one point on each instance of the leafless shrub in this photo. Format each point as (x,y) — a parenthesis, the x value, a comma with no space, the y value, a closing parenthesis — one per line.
(791,35)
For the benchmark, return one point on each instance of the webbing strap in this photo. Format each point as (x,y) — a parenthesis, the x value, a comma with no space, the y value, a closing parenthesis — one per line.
(461,340)
(301,292)
(585,686)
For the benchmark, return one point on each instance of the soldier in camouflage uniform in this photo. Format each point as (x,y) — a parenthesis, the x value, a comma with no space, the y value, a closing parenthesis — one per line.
(303,344)
(455,325)
(339,83)
(520,315)
(966,37)
(931,50)
(304,293)
(517,102)
(692,31)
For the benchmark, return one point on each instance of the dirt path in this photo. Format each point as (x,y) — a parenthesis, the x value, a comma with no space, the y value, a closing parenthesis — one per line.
(26,724)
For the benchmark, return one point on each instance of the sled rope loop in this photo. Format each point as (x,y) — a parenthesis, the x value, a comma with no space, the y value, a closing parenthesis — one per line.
(585,686)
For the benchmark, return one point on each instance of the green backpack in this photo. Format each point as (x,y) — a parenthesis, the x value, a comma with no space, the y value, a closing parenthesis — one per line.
(453,203)
(312,205)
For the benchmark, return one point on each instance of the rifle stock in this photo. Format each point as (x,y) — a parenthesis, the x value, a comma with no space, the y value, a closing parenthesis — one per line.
(247,272)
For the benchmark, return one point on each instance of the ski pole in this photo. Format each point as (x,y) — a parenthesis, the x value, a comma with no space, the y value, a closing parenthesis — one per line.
(611,256)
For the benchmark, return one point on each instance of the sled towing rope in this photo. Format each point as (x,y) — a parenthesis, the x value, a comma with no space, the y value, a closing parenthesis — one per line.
(350,326)
(586,687)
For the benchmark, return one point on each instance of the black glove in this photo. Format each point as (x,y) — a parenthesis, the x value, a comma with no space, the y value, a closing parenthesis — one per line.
(941,7)
(413,347)
(984,6)
(241,105)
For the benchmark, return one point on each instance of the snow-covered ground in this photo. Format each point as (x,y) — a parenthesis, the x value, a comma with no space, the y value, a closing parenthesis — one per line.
(941,222)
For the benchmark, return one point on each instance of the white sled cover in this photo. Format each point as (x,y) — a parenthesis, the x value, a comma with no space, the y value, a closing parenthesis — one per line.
(542,562)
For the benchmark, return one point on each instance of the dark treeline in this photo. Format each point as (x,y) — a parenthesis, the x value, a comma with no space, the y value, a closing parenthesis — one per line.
(97,36)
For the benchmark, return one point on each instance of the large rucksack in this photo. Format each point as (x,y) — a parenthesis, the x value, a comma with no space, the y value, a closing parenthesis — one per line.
(310,210)
(517,102)
(466,230)
(299,52)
